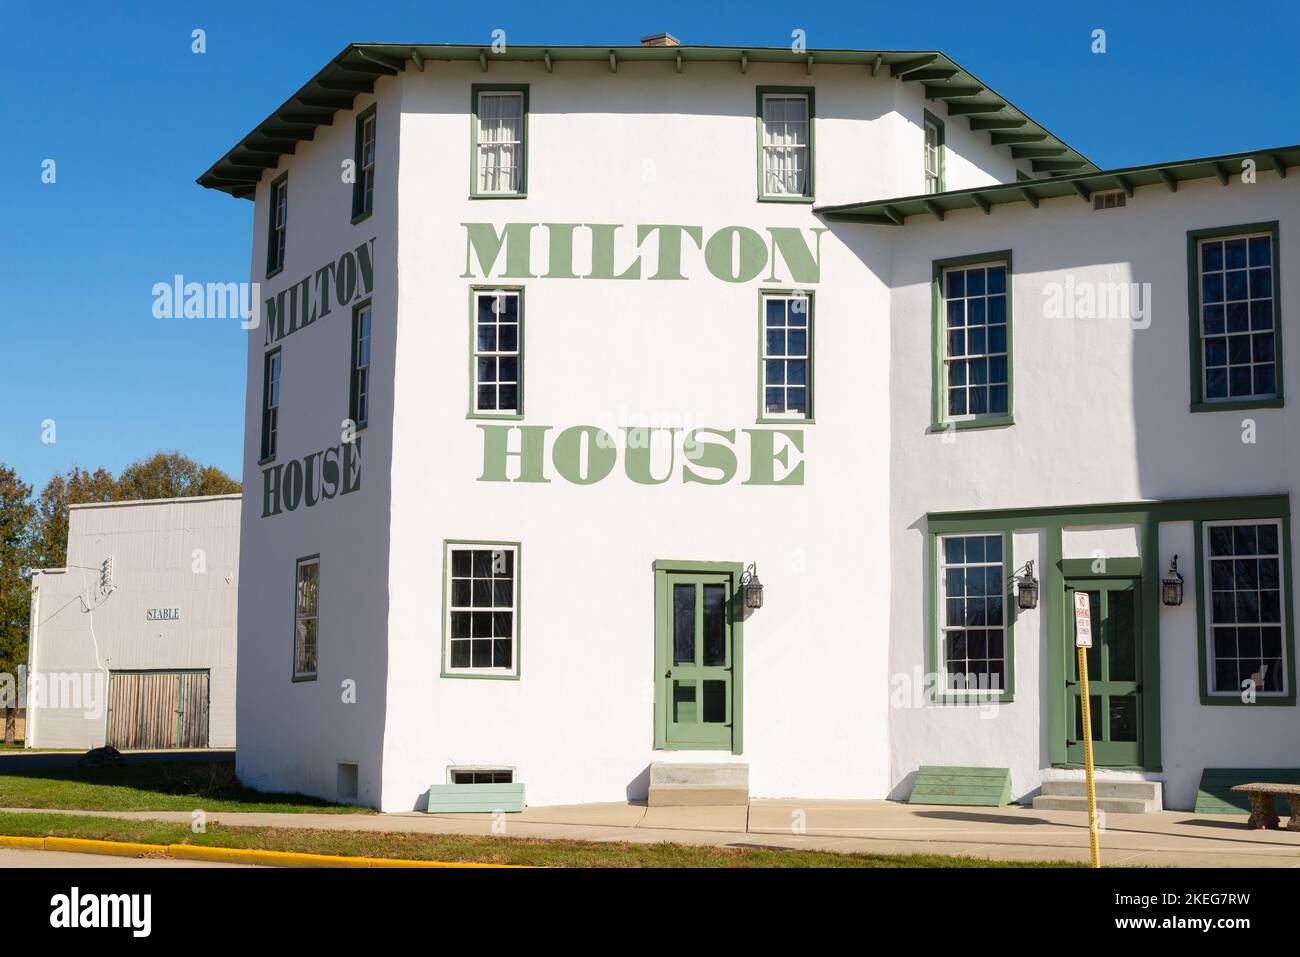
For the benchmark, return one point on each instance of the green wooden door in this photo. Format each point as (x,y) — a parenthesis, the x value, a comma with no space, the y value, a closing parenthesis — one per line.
(1114,673)
(695,687)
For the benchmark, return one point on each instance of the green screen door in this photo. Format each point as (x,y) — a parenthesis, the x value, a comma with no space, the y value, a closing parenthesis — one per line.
(695,685)
(1114,673)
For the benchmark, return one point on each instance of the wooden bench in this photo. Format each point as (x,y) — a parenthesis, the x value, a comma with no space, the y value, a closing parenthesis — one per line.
(1263,813)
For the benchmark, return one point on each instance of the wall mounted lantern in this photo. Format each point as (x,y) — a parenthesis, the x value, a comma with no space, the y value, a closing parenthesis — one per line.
(752,587)
(1171,586)
(1027,588)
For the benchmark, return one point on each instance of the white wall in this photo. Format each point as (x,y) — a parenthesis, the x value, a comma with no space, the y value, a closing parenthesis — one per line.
(178,553)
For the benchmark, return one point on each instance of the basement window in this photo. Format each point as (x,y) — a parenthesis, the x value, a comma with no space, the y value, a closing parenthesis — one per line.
(1111,199)
(481,775)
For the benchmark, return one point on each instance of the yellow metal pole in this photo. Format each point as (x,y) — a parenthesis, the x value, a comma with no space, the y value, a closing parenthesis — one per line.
(1087,757)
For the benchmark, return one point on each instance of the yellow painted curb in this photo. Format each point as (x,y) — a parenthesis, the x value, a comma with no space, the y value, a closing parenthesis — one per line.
(224,855)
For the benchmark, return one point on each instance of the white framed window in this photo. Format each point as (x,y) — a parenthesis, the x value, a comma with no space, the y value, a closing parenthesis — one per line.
(1109,199)
(499,142)
(277,235)
(497,357)
(787,356)
(480,776)
(786,132)
(973,653)
(1245,616)
(1238,324)
(933,154)
(977,373)
(481,627)
(306,617)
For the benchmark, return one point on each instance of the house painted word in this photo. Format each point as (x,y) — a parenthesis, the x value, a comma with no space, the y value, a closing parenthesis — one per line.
(340,283)
(314,478)
(659,251)
(162,614)
(585,454)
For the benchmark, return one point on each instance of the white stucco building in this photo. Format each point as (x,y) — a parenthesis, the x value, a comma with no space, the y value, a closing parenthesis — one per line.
(133,642)
(556,343)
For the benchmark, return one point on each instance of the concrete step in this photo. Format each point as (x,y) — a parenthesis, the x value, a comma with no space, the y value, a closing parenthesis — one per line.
(696,785)
(1150,792)
(1111,805)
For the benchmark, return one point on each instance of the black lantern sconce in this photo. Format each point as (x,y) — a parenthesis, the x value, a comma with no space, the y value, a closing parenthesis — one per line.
(1171,586)
(752,587)
(1027,588)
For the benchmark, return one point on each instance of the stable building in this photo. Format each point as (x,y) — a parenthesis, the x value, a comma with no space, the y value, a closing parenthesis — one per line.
(133,642)
(699,423)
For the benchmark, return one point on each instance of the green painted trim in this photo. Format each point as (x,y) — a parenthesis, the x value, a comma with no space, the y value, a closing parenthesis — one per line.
(939,421)
(475,798)
(358,424)
(1198,401)
(273,270)
(474,90)
(358,213)
(1010,611)
(447,544)
(293,644)
(1117,513)
(1114,568)
(762,418)
(1214,794)
(972,787)
(268,455)
(929,117)
(473,413)
(662,569)
(810,92)
(1287,586)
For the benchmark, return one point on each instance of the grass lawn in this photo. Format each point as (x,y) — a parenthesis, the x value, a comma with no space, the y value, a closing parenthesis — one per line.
(158,786)
(450,847)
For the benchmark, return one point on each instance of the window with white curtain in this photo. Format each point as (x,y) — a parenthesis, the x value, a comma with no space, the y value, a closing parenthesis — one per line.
(787,153)
(500,139)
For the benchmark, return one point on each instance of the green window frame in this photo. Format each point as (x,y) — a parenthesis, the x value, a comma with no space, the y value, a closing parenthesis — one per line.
(990,357)
(785,145)
(1234,325)
(481,609)
(359,384)
(933,152)
(486,103)
(277,225)
(496,352)
(272,368)
(363,186)
(983,614)
(306,618)
(786,339)
(1241,621)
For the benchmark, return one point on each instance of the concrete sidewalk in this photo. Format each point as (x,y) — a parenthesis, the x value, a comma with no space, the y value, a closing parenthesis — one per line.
(1164,839)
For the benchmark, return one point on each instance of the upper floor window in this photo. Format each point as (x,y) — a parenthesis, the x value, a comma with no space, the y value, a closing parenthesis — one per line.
(497,387)
(1245,636)
(786,356)
(305,617)
(933,153)
(275,236)
(270,403)
(482,597)
(500,126)
(359,404)
(1236,323)
(974,323)
(363,187)
(785,121)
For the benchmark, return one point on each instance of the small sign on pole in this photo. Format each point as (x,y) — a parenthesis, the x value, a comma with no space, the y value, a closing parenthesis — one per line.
(1082,642)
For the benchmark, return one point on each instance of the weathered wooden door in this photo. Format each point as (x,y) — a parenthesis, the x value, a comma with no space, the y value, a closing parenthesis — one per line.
(153,709)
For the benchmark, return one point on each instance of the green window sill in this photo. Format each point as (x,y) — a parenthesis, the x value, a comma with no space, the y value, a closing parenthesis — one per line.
(961,425)
(514,417)
(273,274)
(1234,701)
(362,217)
(266,461)
(765,421)
(1238,406)
(498,195)
(474,677)
(786,199)
(298,679)
(972,699)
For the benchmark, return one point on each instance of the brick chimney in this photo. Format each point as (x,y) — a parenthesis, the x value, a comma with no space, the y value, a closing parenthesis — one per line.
(660,40)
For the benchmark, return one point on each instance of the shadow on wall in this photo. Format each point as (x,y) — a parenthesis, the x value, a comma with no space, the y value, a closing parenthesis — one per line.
(638,789)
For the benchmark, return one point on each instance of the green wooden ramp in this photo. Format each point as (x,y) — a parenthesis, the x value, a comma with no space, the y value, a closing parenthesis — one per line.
(982,787)
(1215,796)
(475,798)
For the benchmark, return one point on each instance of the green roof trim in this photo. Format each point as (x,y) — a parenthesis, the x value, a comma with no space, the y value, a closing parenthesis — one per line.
(1224,168)
(355,70)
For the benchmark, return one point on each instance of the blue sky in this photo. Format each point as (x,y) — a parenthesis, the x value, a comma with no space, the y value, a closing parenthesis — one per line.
(131,116)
